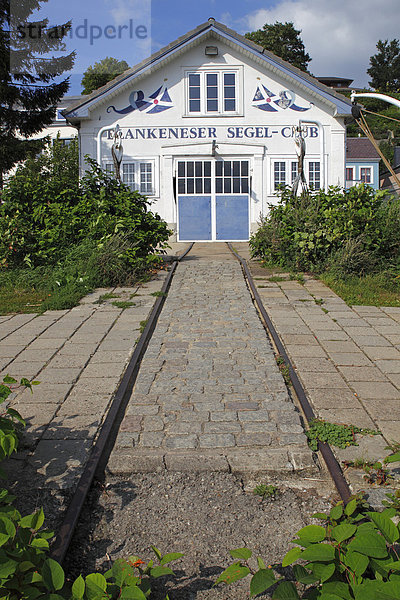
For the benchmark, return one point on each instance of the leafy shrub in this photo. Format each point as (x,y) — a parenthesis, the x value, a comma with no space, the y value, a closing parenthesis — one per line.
(356,229)
(352,556)
(46,211)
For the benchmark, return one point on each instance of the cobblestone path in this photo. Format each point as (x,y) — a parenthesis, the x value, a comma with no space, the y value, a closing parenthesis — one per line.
(209,395)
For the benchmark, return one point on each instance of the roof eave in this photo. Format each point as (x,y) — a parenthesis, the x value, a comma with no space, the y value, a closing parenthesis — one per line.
(340,105)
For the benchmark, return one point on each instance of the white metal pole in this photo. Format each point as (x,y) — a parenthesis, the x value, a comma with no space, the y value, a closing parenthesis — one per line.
(384,97)
(98,141)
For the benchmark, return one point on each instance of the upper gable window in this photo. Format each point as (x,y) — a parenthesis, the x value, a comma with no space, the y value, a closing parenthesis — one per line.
(212,92)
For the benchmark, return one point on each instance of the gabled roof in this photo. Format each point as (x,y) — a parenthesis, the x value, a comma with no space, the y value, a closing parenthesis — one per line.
(360,149)
(210,29)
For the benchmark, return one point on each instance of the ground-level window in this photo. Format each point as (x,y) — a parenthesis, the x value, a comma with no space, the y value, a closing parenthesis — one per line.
(128,175)
(349,173)
(279,174)
(314,175)
(294,170)
(365,174)
(286,171)
(138,175)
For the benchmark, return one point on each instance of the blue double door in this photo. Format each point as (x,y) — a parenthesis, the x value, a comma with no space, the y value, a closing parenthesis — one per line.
(213,200)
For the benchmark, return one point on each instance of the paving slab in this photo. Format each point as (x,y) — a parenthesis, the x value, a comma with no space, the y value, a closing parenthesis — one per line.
(351,370)
(79,357)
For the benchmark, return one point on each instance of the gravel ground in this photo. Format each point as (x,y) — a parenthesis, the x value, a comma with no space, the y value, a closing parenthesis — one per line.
(203,516)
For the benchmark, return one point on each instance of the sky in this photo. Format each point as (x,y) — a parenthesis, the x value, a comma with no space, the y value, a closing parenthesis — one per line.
(339,35)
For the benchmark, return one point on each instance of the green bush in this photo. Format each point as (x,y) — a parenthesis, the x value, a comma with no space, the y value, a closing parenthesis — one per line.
(355,229)
(352,556)
(46,211)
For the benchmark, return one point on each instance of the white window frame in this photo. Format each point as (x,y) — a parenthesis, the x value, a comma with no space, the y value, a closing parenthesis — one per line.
(289,160)
(219,71)
(314,162)
(137,183)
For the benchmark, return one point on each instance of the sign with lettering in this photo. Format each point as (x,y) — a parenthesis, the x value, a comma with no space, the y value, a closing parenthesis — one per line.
(248,132)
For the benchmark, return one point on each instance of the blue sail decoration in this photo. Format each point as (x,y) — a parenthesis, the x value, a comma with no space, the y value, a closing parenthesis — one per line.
(156,102)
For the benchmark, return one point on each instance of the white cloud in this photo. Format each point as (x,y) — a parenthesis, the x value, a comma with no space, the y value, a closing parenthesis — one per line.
(339,35)
(123,10)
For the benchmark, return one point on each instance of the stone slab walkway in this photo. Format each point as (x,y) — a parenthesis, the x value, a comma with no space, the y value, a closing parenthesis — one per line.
(348,358)
(78,356)
(209,395)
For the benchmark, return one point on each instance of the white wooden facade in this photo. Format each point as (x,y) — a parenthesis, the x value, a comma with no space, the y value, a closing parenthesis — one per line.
(207,129)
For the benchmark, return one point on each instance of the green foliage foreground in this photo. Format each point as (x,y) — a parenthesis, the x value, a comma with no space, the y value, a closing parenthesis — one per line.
(66,236)
(354,555)
(349,232)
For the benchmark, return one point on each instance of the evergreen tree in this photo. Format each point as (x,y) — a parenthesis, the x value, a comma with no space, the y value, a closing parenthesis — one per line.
(28,93)
(283,40)
(385,66)
(101,73)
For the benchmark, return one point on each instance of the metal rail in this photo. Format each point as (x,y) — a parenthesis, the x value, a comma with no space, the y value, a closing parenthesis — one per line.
(326,451)
(105,441)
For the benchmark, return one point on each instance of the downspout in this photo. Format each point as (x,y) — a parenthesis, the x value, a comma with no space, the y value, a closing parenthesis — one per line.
(321,143)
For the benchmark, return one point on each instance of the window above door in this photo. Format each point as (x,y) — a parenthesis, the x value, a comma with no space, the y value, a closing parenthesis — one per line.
(213,91)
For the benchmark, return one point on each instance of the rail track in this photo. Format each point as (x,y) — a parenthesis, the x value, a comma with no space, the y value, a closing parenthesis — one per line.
(103,446)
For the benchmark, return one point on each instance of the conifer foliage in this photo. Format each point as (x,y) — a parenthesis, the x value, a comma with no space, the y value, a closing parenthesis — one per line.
(30,82)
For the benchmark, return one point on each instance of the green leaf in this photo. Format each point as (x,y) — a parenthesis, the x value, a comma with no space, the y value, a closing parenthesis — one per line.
(385,526)
(261,563)
(170,557)
(285,591)
(357,562)
(322,571)
(291,556)
(319,553)
(96,585)
(39,543)
(7,379)
(53,575)
(344,531)
(336,512)
(395,565)
(303,576)
(160,571)
(242,553)
(312,533)
(38,519)
(392,458)
(7,568)
(261,581)
(132,593)
(350,507)
(7,526)
(233,573)
(321,516)
(390,590)
(338,589)
(370,544)
(78,588)
(157,552)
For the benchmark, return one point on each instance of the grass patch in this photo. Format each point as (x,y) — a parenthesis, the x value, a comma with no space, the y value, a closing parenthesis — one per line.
(106,296)
(21,301)
(158,294)
(276,279)
(369,290)
(123,304)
